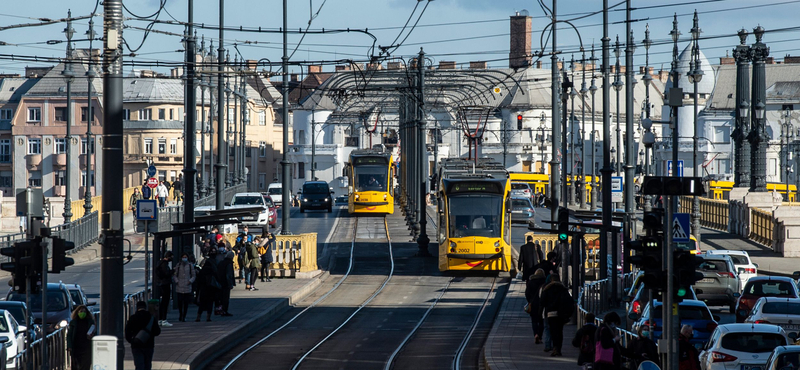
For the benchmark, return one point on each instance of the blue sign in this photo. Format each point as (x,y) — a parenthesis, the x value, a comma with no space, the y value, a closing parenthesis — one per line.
(146,209)
(680,227)
(680,168)
(151,171)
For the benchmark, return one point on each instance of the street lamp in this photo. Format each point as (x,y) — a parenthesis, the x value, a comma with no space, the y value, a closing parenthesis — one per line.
(593,90)
(572,94)
(90,75)
(542,121)
(617,84)
(69,75)
(694,75)
(787,124)
(582,131)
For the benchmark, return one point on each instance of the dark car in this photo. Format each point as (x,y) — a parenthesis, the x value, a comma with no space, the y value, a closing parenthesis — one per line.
(692,312)
(79,298)
(720,283)
(18,309)
(763,286)
(639,302)
(315,195)
(59,306)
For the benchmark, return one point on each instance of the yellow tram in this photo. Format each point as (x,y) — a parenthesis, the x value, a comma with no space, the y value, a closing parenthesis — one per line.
(474,224)
(371,177)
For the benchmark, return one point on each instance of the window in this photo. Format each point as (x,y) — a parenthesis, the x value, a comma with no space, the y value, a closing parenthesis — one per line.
(126,114)
(773,167)
(172,114)
(34,114)
(752,342)
(6,179)
(83,178)
(5,150)
(162,146)
(262,118)
(173,175)
(61,114)
(230,114)
(247,149)
(351,141)
(35,147)
(262,149)
(301,136)
(722,135)
(83,146)
(61,178)
(301,170)
(35,178)
(148,146)
(145,114)
(262,181)
(162,114)
(173,146)
(61,145)
(6,113)
(83,114)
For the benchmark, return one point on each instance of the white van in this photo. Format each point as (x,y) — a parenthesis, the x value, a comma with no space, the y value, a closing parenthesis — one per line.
(275,191)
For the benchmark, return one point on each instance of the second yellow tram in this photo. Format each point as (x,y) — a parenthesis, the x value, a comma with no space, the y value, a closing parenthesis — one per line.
(371,182)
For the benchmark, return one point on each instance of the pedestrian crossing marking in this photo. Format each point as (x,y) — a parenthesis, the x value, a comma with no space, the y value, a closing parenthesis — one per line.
(677,230)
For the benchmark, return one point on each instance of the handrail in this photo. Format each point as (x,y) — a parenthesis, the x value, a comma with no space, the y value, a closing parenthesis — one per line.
(590,299)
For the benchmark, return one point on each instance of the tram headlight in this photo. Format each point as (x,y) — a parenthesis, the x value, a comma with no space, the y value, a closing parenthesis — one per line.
(452,247)
(385,196)
(497,244)
(356,197)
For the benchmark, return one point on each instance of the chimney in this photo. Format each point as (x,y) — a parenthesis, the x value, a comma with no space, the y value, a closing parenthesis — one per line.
(145,73)
(373,66)
(539,64)
(314,69)
(342,68)
(788,59)
(251,64)
(393,65)
(447,65)
(36,72)
(519,55)
(294,77)
(477,65)
(770,60)
(726,60)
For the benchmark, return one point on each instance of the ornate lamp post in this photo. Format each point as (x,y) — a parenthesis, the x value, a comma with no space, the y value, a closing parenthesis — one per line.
(741,146)
(69,75)
(618,85)
(572,94)
(582,142)
(648,135)
(758,135)
(694,75)
(542,121)
(593,90)
(201,186)
(90,75)
(788,136)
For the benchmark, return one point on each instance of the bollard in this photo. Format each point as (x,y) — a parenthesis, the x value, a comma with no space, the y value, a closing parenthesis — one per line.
(104,352)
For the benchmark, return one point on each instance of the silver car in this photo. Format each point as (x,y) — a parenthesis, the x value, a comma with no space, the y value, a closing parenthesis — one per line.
(521,190)
(720,283)
(784,312)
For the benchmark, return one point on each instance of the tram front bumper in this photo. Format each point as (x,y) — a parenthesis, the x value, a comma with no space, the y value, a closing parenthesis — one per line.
(370,204)
(474,256)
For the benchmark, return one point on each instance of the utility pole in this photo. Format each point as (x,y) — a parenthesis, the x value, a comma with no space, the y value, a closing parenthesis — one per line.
(222,147)
(695,74)
(189,157)
(313,146)
(566,84)
(285,112)
(606,171)
(555,180)
(582,171)
(741,145)
(571,128)
(648,135)
(69,76)
(629,227)
(236,145)
(90,75)
(201,187)
(423,240)
(593,90)
(111,275)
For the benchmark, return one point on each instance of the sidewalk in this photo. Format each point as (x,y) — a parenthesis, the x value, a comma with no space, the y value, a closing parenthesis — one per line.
(510,344)
(190,345)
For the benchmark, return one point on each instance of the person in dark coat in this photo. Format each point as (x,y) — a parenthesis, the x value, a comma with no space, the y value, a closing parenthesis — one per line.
(265,250)
(208,286)
(227,279)
(79,338)
(528,258)
(548,265)
(642,348)
(141,320)
(609,339)
(532,287)
(551,309)
(584,340)
(688,357)
(164,274)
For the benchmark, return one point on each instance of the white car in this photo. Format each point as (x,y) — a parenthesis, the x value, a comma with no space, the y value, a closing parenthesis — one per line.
(15,333)
(784,312)
(742,262)
(741,346)
(784,358)
(275,191)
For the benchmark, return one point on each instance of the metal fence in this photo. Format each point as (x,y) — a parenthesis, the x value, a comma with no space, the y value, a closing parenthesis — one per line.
(83,232)
(592,298)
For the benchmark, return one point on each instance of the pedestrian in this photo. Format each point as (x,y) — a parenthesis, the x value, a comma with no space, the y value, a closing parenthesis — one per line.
(556,306)
(177,189)
(136,196)
(532,287)
(208,286)
(183,278)
(212,236)
(641,348)
(162,192)
(226,279)
(548,265)
(584,341)
(164,274)
(241,256)
(688,357)
(528,258)
(607,352)
(79,338)
(140,332)
(253,262)
(265,250)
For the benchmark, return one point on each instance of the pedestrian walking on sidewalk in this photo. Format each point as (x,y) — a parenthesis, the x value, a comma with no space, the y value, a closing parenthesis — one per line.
(135,197)
(253,262)
(528,258)
(164,274)
(641,348)
(532,287)
(265,250)
(228,280)
(584,341)
(140,332)
(183,278)
(162,192)
(607,352)
(688,357)
(79,338)
(557,307)
(208,286)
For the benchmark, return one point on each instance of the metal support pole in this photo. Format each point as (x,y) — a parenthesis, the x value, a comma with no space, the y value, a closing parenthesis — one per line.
(647,80)
(228,131)
(313,147)
(629,226)
(742,146)
(606,170)
(69,76)
(201,187)
(111,275)
(221,139)
(593,90)
(758,136)
(286,176)
(189,143)
(90,75)
(696,75)
(423,240)
(565,86)
(45,358)
(555,178)
(570,127)
(582,170)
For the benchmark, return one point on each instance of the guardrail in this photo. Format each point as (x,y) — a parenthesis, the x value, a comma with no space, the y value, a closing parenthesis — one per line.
(761,226)
(294,254)
(83,232)
(592,299)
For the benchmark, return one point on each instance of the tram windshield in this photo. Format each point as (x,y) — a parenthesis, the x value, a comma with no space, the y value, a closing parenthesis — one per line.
(475,215)
(370,178)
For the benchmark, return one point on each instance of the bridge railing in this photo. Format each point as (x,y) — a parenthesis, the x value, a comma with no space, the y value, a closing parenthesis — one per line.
(594,298)
(761,226)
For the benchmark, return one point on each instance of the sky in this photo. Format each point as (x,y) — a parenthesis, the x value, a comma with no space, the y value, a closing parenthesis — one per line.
(447,30)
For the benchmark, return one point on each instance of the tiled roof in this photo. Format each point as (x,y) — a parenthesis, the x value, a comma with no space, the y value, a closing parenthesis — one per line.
(53,83)
(724,96)
(12,89)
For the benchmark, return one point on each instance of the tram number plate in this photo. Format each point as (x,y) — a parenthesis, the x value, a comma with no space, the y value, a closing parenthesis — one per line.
(463,250)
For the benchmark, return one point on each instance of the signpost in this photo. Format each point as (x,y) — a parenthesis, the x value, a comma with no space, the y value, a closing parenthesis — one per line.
(146,211)
(616,189)
(152,182)
(680,227)
(151,171)
(680,168)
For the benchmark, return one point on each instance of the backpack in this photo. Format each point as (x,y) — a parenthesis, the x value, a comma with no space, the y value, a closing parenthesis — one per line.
(587,344)
(262,250)
(566,305)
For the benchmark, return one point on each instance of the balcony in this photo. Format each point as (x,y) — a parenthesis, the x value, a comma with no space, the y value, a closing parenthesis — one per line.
(59,190)
(60,159)
(33,161)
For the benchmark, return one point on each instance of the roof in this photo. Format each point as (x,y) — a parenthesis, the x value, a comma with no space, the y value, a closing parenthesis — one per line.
(724,96)
(153,90)
(12,88)
(725,251)
(53,83)
(750,328)
(706,84)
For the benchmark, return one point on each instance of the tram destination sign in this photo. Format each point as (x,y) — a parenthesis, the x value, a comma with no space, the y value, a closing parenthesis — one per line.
(476,187)
(361,161)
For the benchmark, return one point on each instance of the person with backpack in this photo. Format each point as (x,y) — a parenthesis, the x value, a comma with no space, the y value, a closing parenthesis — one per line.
(140,332)
(208,286)
(642,348)
(607,352)
(532,287)
(184,276)
(557,307)
(253,262)
(265,250)
(584,341)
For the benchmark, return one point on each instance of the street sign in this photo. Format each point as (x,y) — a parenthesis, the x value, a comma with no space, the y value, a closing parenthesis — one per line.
(151,171)
(680,168)
(146,209)
(616,189)
(152,182)
(680,227)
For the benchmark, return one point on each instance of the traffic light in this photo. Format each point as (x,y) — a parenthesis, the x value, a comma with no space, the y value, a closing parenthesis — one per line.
(670,185)
(20,263)
(60,259)
(653,222)
(519,122)
(686,274)
(563,224)
(648,258)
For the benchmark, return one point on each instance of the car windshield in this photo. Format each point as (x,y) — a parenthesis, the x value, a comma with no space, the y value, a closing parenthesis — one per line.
(714,266)
(56,300)
(518,186)
(752,342)
(275,191)
(687,312)
(475,215)
(770,289)
(370,178)
(248,200)
(315,189)
(739,259)
(788,308)
(76,297)
(520,203)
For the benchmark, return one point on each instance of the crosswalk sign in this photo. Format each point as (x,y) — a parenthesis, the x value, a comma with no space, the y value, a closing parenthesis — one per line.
(680,227)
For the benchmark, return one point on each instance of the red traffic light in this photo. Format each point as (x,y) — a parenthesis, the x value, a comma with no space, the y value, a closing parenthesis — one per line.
(519,117)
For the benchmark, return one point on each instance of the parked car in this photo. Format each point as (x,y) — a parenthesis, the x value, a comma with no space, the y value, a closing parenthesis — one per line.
(79,298)
(640,300)
(741,346)
(784,358)
(521,190)
(745,267)
(341,200)
(59,306)
(19,310)
(784,312)
(719,285)
(316,195)
(521,210)
(764,286)
(14,333)
(691,312)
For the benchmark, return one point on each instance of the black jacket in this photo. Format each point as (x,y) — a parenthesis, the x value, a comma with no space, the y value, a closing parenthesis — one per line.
(589,329)
(225,275)
(642,349)
(549,300)
(164,273)
(139,321)
(532,287)
(528,259)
